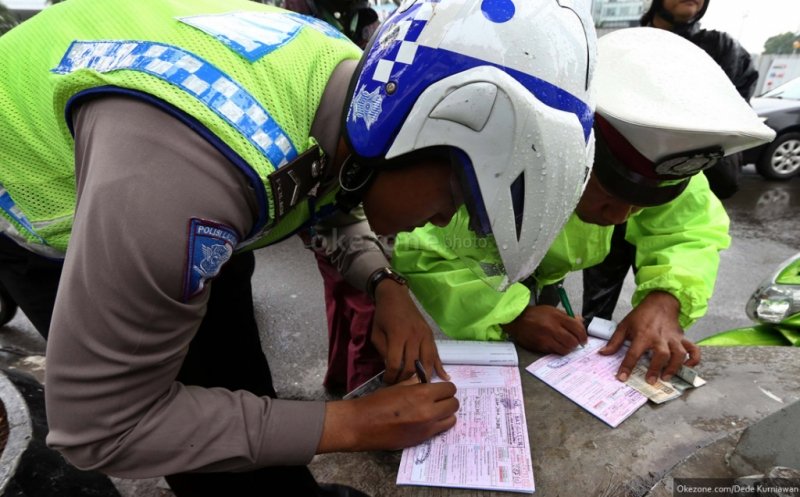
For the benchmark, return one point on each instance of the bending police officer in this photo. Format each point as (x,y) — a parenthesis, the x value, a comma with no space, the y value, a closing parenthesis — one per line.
(153,146)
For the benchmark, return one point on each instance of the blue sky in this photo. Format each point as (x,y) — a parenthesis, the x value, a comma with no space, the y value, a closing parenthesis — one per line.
(752,22)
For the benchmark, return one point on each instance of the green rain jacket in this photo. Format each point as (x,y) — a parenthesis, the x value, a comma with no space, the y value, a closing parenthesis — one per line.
(677,251)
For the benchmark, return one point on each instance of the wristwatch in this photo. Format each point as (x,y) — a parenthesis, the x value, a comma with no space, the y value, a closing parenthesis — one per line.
(379,275)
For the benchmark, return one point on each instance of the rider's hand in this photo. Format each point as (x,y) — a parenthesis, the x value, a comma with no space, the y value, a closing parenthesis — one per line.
(653,326)
(401,334)
(392,418)
(546,329)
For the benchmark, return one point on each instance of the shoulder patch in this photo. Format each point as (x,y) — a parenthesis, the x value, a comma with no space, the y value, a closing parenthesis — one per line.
(209,247)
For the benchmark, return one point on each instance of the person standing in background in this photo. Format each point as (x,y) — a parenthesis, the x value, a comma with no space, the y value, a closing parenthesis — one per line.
(355,18)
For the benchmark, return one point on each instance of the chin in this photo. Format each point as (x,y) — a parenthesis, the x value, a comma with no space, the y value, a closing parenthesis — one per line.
(593,220)
(381,227)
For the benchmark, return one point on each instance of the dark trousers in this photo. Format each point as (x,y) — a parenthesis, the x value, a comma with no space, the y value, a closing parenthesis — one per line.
(352,359)
(31,281)
(723,178)
(602,283)
(226,352)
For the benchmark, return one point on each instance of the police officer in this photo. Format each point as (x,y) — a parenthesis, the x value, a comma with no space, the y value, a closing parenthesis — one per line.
(151,146)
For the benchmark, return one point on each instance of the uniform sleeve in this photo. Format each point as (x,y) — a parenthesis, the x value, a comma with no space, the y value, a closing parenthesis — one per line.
(677,248)
(351,246)
(122,326)
(740,68)
(459,302)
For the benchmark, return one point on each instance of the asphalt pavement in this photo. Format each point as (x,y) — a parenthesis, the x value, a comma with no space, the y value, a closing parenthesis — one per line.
(765,227)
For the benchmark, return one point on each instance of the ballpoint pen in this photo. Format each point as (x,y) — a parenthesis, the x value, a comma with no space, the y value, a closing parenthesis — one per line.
(562,294)
(423,378)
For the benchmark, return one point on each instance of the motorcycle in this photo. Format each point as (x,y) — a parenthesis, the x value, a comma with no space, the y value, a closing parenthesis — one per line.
(774,307)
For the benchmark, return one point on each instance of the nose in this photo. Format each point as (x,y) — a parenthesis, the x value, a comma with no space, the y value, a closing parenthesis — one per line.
(443,217)
(441,220)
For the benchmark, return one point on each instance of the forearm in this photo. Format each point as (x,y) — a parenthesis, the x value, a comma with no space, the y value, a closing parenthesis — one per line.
(678,246)
(352,247)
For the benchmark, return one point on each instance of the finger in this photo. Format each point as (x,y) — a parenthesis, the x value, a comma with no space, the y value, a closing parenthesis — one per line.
(439,391)
(615,342)
(659,359)
(574,326)
(442,425)
(629,361)
(445,408)
(694,352)
(440,371)
(379,341)
(410,355)
(394,365)
(409,381)
(564,341)
(677,355)
(431,359)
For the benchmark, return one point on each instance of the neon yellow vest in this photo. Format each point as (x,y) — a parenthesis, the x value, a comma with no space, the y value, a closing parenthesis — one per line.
(251,74)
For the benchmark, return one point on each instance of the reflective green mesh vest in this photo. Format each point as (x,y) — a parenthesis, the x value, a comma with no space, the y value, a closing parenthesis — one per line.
(251,74)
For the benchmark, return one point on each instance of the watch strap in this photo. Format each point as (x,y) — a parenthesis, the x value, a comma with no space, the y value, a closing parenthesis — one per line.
(379,275)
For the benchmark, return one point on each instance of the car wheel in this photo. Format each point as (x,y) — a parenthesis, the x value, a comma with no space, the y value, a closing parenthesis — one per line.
(781,159)
(7,307)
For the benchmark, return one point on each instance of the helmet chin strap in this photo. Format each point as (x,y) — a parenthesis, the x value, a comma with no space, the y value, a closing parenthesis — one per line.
(354,181)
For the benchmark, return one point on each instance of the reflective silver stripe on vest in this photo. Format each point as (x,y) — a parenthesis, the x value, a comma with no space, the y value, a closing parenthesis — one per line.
(38,244)
(194,75)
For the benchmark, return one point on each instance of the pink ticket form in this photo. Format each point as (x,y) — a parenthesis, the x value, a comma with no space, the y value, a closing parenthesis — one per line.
(488,448)
(588,379)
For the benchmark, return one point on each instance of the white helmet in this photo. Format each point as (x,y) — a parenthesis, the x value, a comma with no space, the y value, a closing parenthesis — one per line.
(505,86)
(665,111)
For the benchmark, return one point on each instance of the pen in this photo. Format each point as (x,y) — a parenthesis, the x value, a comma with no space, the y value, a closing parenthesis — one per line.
(562,294)
(423,378)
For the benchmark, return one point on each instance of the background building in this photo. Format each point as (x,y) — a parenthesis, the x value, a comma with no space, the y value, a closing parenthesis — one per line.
(614,14)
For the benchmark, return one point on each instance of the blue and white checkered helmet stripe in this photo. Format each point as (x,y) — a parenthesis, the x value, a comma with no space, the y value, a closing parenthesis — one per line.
(398,57)
(221,93)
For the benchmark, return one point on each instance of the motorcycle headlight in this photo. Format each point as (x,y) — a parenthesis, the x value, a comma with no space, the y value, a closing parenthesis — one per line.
(778,297)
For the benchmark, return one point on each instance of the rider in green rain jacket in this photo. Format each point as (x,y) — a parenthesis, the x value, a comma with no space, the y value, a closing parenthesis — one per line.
(677,251)
(651,142)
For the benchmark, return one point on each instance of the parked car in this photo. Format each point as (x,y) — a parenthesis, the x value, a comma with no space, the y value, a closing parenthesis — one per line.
(780,107)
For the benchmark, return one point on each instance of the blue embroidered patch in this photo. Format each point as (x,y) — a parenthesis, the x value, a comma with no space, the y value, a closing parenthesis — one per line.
(210,246)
